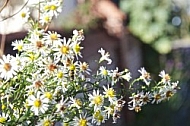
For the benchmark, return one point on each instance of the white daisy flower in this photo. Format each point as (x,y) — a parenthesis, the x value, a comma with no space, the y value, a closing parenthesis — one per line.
(45,19)
(96,99)
(145,76)
(18,45)
(165,77)
(8,67)
(99,117)
(82,120)
(75,102)
(52,38)
(47,121)
(105,56)
(24,14)
(53,7)
(109,93)
(38,103)
(3,118)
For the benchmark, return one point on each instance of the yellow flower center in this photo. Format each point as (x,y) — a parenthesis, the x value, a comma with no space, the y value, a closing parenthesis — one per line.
(76,48)
(82,122)
(104,72)
(2,119)
(48,95)
(47,18)
(19,47)
(47,123)
(53,36)
(7,66)
(3,107)
(110,93)
(65,49)
(98,116)
(53,7)
(23,14)
(72,67)
(46,7)
(98,100)
(60,74)
(37,103)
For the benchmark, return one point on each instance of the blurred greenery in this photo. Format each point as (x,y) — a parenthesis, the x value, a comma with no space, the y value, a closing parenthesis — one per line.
(158,22)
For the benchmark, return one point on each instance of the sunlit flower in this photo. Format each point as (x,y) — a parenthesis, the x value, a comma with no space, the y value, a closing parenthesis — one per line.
(8,67)
(24,14)
(53,7)
(17,45)
(62,106)
(96,99)
(103,71)
(38,103)
(104,56)
(109,93)
(82,120)
(4,118)
(52,38)
(45,19)
(47,121)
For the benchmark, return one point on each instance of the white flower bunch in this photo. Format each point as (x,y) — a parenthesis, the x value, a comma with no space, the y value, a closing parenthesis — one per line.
(46,82)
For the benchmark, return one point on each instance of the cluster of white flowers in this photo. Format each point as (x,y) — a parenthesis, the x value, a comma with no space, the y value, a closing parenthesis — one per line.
(160,91)
(46,82)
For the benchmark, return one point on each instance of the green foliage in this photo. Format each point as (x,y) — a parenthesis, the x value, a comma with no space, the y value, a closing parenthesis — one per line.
(153,22)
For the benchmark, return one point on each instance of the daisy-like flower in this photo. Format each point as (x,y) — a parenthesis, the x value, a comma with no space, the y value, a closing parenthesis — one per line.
(36,45)
(96,99)
(165,77)
(75,102)
(146,97)
(77,49)
(3,118)
(82,120)
(103,71)
(135,103)
(64,50)
(37,82)
(104,56)
(62,106)
(53,8)
(145,76)
(109,93)
(47,121)
(45,19)
(168,91)
(99,117)
(157,97)
(84,67)
(24,14)
(18,45)
(52,38)
(8,67)
(38,103)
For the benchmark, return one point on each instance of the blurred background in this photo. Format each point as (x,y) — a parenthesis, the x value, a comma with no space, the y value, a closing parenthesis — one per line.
(154,34)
